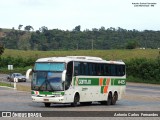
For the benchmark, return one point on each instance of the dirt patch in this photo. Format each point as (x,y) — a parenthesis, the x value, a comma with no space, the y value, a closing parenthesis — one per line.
(23,88)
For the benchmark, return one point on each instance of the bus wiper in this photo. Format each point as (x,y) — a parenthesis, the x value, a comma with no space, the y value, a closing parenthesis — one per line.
(45,83)
(49,84)
(41,85)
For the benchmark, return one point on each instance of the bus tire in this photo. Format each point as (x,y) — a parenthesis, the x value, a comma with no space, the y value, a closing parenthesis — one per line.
(47,104)
(114,98)
(109,99)
(76,100)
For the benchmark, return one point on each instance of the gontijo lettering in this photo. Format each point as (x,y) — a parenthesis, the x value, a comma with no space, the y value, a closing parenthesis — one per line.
(84,82)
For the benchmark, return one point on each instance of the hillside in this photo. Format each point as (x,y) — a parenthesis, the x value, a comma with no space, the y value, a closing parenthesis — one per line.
(97,39)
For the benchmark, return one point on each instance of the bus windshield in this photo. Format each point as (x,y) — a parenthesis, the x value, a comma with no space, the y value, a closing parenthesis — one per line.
(48,76)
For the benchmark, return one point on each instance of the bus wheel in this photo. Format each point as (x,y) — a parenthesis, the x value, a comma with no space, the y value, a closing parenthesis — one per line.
(109,99)
(114,98)
(76,100)
(47,104)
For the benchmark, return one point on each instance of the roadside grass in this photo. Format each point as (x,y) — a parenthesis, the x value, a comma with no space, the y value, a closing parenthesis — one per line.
(117,54)
(6,84)
(19,87)
(23,88)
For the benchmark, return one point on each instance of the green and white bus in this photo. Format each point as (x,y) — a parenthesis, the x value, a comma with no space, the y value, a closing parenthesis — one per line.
(77,79)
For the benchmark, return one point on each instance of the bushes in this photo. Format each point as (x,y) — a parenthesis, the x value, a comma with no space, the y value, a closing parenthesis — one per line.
(19,64)
(16,61)
(146,69)
(15,70)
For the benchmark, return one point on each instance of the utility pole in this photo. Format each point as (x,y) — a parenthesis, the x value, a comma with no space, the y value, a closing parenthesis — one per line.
(77,46)
(92,44)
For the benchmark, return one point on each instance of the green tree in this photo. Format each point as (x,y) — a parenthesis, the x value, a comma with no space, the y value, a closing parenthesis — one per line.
(19,27)
(28,28)
(103,38)
(43,29)
(132,44)
(77,28)
(1,49)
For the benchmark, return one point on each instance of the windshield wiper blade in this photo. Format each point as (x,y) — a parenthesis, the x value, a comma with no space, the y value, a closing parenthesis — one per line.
(41,85)
(49,84)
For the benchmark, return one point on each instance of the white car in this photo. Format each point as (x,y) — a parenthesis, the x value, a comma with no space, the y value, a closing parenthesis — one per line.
(19,76)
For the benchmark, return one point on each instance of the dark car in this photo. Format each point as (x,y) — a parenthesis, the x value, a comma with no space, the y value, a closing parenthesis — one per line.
(19,76)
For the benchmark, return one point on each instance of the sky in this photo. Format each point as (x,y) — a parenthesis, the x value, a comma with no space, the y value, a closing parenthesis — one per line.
(67,14)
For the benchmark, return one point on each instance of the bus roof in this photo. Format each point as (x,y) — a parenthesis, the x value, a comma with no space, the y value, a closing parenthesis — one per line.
(78,58)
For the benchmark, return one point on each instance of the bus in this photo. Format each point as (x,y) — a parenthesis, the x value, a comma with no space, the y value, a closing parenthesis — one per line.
(77,80)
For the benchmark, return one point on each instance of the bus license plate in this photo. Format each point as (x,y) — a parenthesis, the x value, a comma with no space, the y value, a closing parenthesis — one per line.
(46,100)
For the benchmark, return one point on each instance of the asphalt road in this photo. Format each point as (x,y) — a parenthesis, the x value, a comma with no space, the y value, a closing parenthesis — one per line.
(136,98)
(139,97)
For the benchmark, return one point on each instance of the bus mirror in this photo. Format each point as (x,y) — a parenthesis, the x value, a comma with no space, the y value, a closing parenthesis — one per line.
(28,73)
(63,75)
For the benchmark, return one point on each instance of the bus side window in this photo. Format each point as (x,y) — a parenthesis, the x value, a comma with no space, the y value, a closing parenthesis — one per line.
(123,70)
(113,70)
(81,68)
(94,69)
(90,69)
(108,70)
(76,68)
(86,71)
(102,70)
(105,70)
(120,70)
(69,75)
(70,68)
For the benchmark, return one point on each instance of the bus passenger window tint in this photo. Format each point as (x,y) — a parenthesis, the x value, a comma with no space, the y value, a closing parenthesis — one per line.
(98,69)
(69,75)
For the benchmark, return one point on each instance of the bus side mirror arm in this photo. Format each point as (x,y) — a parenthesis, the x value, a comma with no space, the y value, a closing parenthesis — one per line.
(64,75)
(29,71)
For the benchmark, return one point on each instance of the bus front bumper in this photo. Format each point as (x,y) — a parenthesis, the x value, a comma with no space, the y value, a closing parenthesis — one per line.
(48,99)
